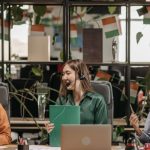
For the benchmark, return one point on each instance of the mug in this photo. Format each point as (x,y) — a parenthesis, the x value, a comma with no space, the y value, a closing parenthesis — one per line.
(147,146)
(23,147)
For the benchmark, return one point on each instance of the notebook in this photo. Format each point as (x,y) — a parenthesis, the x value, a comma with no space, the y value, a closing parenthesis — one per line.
(62,114)
(86,137)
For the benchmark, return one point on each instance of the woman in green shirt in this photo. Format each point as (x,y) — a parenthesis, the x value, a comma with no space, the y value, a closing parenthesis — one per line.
(76,89)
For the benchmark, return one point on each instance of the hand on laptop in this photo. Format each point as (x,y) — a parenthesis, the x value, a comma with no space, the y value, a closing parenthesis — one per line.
(49,127)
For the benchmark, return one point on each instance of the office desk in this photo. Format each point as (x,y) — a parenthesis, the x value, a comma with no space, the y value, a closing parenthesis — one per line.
(39,147)
(28,123)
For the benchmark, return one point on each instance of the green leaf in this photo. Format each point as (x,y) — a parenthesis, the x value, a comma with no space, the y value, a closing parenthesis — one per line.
(147,79)
(119,130)
(39,10)
(19,22)
(17,13)
(82,9)
(71,11)
(61,55)
(112,9)
(97,17)
(37,20)
(139,35)
(37,71)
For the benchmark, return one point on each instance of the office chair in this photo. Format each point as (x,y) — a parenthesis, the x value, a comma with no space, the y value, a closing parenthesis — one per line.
(4,97)
(105,89)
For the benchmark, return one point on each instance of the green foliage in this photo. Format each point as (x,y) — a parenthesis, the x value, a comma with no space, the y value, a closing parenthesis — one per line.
(147,80)
(119,130)
(112,9)
(37,71)
(17,12)
(139,35)
(21,96)
(40,10)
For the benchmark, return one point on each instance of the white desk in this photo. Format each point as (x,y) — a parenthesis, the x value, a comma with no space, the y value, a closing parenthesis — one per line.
(42,147)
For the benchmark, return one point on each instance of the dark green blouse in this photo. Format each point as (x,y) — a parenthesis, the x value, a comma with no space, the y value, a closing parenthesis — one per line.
(93,109)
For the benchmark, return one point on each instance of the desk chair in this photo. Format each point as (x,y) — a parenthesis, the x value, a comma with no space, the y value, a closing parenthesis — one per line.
(4,97)
(105,89)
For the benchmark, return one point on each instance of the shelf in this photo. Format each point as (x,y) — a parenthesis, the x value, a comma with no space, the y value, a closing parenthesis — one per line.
(96,3)
(32,62)
(29,2)
(140,64)
(110,64)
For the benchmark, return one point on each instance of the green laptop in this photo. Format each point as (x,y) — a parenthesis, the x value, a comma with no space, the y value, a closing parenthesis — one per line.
(62,114)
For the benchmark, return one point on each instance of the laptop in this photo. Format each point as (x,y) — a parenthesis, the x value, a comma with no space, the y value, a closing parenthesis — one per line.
(62,114)
(86,137)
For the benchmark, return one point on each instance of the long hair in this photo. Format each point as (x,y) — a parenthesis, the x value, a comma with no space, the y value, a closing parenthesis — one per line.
(81,72)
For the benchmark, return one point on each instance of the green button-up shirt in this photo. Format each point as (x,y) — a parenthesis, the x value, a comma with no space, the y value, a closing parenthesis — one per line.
(93,109)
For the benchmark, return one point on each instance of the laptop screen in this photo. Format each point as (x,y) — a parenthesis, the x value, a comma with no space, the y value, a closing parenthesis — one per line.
(62,114)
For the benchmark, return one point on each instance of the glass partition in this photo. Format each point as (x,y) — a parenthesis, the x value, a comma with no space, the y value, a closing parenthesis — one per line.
(138,87)
(28,26)
(139,39)
(98,33)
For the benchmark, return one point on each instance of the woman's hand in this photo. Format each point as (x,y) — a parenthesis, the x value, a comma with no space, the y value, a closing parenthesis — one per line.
(49,127)
(134,121)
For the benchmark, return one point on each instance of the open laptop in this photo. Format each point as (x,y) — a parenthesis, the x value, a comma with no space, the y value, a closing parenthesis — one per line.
(86,137)
(62,114)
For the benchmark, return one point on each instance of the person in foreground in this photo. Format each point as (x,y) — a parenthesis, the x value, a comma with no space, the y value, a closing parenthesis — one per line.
(5,130)
(76,89)
(144,136)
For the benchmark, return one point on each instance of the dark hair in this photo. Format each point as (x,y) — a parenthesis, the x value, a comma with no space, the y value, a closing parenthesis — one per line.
(81,72)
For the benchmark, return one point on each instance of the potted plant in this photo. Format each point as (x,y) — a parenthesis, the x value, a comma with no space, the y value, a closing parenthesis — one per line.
(34,93)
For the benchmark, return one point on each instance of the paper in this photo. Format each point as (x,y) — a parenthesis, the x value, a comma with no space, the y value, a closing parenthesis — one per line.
(42,147)
(39,48)
(1,147)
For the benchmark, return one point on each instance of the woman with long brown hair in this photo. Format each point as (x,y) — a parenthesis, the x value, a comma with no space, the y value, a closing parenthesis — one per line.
(76,89)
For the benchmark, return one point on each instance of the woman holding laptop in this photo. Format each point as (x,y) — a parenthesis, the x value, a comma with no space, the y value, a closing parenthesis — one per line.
(76,89)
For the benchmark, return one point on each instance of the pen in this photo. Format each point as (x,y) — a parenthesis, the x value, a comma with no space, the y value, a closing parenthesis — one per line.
(131,109)
(22,141)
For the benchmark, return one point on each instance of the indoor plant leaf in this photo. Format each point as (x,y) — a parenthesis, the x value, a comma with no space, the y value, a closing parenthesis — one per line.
(139,35)
(147,79)
(39,10)
(37,71)
(112,9)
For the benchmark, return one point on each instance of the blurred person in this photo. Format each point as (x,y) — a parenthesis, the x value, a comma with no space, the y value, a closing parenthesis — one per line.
(144,136)
(5,130)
